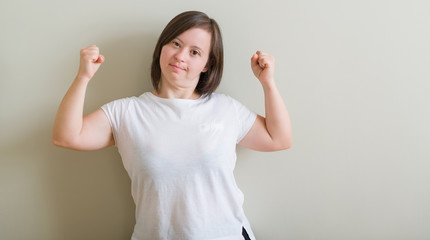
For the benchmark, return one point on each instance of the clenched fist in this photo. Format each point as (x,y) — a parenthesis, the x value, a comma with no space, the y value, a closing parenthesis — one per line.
(90,62)
(263,66)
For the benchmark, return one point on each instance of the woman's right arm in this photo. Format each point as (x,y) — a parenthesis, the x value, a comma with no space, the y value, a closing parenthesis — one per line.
(71,129)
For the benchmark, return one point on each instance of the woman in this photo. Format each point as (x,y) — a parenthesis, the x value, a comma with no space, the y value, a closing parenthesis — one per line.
(178,142)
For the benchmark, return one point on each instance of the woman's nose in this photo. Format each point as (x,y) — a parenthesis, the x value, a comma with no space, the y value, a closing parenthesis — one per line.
(180,56)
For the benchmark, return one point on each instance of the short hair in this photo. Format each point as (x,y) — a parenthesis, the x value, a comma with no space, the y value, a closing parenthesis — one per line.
(210,79)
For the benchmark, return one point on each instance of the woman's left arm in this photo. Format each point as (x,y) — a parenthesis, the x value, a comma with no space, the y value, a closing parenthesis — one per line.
(273,132)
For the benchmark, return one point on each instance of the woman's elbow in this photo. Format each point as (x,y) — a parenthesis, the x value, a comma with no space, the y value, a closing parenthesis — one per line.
(284,145)
(63,142)
(56,140)
(59,143)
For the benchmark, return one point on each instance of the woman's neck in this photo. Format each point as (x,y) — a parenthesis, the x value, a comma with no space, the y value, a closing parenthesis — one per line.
(177,94)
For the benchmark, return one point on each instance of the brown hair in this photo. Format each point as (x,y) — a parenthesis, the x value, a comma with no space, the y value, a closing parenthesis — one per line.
(209,80)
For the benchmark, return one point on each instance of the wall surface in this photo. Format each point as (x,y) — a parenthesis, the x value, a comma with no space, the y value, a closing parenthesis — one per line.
(354,74)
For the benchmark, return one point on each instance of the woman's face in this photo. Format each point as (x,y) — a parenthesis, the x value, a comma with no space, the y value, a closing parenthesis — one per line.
(184,58)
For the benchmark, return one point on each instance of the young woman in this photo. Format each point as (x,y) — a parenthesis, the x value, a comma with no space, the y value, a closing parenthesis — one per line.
(178,142)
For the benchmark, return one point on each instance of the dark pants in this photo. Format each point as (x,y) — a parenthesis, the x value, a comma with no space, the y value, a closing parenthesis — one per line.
(245,234)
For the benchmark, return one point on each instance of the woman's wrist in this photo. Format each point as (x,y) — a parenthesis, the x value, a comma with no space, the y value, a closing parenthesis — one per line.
(268,85)
(82,79)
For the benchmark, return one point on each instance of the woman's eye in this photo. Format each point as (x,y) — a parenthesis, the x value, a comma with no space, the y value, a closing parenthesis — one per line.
(195,53)
(176,44)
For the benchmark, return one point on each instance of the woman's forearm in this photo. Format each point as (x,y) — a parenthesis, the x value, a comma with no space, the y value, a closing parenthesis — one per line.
(68,121)
(278,121)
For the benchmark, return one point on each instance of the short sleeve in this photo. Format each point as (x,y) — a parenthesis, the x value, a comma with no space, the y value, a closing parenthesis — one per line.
(245,119)
(115,112)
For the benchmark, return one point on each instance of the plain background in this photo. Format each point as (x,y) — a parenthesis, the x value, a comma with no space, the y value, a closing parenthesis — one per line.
(354,75)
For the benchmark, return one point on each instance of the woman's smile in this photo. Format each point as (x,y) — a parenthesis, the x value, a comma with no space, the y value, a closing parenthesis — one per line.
(176,67)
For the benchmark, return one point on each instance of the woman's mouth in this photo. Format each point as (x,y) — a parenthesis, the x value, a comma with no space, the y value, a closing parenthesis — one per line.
(176,67)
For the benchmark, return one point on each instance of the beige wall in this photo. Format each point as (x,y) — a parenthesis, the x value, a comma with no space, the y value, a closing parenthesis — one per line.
(354,74)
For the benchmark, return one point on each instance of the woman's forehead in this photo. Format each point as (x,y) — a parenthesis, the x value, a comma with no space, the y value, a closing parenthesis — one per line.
(197,37)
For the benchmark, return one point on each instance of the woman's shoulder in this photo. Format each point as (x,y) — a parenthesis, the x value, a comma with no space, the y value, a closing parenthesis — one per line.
(126,101)
(123,100)
(224,98)
(220,97)
(142,97)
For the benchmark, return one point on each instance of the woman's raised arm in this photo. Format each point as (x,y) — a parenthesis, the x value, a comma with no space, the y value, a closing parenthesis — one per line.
(72,130)
(272,132)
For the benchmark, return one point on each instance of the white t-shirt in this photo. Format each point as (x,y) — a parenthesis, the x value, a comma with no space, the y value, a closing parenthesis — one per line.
(180,155)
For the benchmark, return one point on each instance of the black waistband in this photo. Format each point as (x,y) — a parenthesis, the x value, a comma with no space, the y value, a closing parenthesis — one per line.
(245,234)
